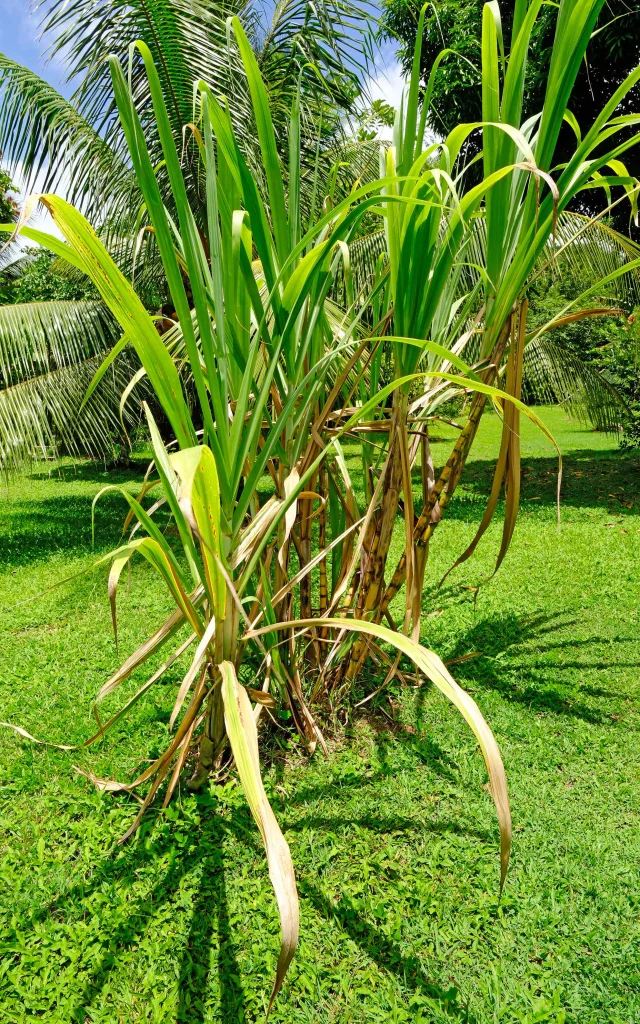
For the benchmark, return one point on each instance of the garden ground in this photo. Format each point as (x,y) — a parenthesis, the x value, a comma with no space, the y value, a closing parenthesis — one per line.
(393,836)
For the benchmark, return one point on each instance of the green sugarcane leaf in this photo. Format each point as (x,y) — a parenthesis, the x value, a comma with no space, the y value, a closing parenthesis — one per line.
(168,568)
(268,145)
(171,488)
(128,310)
(104,366)
(200,504)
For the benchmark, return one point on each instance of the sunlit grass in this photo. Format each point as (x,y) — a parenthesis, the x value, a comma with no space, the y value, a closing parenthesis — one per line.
(393,839)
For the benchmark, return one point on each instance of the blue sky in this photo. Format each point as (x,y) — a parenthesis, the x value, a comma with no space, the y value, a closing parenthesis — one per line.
(19,39)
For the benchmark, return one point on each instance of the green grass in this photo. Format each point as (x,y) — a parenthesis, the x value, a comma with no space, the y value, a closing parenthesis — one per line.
(393,836)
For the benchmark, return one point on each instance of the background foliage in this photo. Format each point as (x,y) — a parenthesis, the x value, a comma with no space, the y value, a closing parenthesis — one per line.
(42,279)
(8,205)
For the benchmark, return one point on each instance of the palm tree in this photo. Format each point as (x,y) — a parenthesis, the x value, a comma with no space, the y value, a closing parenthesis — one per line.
(79,144)
(49,351)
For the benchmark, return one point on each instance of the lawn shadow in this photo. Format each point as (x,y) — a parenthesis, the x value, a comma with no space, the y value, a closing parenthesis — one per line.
(93,471)
(387,825)
(505,644)
(415,738)
(386,953)
(37,528)
(211,901)
(591,478)
(209,911)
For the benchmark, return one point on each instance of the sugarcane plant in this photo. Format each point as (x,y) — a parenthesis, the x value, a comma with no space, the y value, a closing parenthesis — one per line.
(522,195)
(49,351)
(282,372)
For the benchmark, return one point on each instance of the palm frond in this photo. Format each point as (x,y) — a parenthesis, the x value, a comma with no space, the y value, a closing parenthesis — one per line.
(49,352)
(18,259)
(326,44)
(87,31)
(587,249)
(357,163)
(14,259)
(42,414)
(554,375)
(37,337)
(43,133)
(78,144)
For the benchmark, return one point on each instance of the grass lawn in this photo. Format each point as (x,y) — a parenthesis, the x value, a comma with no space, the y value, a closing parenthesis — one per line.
(393,836)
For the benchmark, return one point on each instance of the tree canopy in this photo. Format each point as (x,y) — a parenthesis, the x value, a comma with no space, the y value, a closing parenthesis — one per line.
(8,206)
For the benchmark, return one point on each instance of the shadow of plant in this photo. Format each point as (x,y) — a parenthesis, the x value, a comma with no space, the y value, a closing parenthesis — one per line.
(199,849)
(209,913)
(210,905)
(93,471)
(512,662)
(591,478)
(385,952)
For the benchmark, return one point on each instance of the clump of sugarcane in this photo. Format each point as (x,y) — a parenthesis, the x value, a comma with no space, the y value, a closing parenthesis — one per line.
(519,201)
(282,377)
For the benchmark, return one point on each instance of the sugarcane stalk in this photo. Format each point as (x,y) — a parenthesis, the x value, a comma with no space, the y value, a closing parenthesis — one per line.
(449,478)
(212,737)
(304,551)
(323,490)
(373,575)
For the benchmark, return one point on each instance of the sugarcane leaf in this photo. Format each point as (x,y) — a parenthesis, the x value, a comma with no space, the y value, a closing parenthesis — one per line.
(171,488)
(165,632)
(200,503)
(268,144)
(435,670)
(243,737)
(165,563)
(194,668)
(104,366)
(128,310)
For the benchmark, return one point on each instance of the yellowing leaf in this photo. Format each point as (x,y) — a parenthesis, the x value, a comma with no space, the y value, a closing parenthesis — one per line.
(243,737)
(436,671)
(200,504)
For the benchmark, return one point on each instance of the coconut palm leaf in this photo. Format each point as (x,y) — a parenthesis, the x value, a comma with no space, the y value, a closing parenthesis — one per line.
(41,336)
(41,416)
(86,32)
(554,375)
(18,260)
(82,139)
(44,134)
(303,39)
(587,249)
(13,261)
(581,249)
(49,352)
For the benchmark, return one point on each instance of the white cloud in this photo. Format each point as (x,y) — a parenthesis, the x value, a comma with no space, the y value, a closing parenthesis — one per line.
(388,85)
